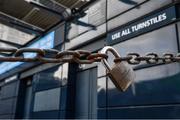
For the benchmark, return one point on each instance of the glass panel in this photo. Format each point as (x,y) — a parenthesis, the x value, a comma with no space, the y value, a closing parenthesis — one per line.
(48,79)
(47,100)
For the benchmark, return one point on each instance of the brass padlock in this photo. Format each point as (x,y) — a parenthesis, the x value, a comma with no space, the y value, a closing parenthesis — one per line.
(121,74)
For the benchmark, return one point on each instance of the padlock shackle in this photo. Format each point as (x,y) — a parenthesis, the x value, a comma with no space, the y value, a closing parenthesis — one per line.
(113,51)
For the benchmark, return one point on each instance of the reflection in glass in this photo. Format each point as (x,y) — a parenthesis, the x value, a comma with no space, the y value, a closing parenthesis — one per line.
(154,85)
(53,77)
(57,74)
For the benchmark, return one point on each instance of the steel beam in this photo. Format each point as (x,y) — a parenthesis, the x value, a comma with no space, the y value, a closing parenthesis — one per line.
(10,43)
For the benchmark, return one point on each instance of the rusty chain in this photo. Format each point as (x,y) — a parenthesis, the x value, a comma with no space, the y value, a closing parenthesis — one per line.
(150,58)
(80,56)
(50,56)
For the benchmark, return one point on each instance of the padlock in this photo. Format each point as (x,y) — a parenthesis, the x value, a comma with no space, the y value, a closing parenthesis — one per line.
(121,74)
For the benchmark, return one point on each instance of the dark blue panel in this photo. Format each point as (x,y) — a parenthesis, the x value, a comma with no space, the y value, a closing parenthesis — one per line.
(70,114)
(45,115)
(10,90)
(62,115)
(101,114)
(63,98)
(70,98)
(66,115)
(82,117)
(101,92)
(7,116)
(145,112)
(7,106)
(159,91)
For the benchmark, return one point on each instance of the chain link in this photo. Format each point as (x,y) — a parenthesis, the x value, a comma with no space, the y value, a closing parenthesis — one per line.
(81,56)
